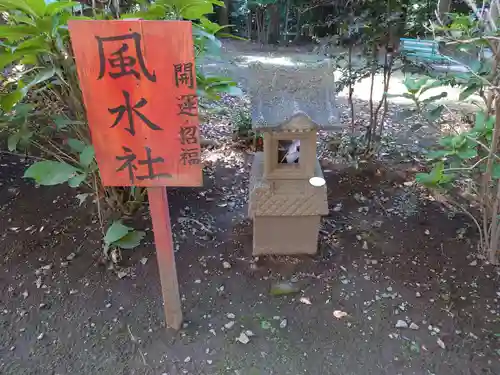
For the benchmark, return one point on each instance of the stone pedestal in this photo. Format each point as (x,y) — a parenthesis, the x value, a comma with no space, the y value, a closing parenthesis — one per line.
(285,235)
(286,213)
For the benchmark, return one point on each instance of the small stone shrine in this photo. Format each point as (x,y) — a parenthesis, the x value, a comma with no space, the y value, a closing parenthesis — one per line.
(289,107)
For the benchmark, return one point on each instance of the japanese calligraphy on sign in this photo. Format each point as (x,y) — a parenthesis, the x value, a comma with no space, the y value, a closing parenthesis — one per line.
(139,86)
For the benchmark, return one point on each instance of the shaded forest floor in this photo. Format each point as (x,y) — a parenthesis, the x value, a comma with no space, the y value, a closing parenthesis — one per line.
(396,287)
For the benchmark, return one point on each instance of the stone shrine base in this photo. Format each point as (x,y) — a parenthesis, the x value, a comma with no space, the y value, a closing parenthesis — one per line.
(285,235)
(286,213)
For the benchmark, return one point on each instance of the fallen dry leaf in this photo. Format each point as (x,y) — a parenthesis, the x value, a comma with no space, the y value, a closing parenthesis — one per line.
(339,314)
(305,300)
(283,288)
(441,344)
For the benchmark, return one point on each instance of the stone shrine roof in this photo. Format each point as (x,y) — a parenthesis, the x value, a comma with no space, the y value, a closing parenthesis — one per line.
(281,94)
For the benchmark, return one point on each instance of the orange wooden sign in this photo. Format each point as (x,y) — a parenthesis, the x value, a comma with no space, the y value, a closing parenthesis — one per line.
(139,86)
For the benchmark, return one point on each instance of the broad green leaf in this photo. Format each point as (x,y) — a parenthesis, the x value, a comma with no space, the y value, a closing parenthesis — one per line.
(480,121)
(115,232)
(458,141)
(218,3)
(143,15)
(50,172)
(434,113)
(495,173)
(34,49)
(7,58)
(10,5)
(38,6)
(437,154)
(224,87)
(42,76)
(22,18)
(468,153)
(28,60)
(446,179)
(437,170)
(209,26)
(433,178)
(12,141)
(414,85)
(220,85)
(489,137)
(205,42)
(76,145)
(471,89)
(82,18)
(446,141)
(37,42)
(217,80)
(197,31)
(433,98)
(154,12)
(431,85)
(77,180)
(87,156)
(425,179)
(130,240)
(197,10)
(15,32)
(7,102)
(25,137)
(56,7)
(45,24)
(60,25)
(475,66)
(23,110)
(231,36)
(62,122)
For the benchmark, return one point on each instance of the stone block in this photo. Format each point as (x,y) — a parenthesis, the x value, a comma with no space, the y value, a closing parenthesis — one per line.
(285,235)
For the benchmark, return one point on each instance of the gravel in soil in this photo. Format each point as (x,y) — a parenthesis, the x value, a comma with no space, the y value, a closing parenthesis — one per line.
(396,287)
(388,256)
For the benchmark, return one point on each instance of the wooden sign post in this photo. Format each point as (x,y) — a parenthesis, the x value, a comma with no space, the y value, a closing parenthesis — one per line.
(139,87)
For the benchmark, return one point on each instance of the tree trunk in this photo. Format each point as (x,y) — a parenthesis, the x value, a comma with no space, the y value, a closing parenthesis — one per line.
(260,17)
(286,20)
(249,25)
(274,24)
(443,7)
(224,13)
(257,23)
(297,35)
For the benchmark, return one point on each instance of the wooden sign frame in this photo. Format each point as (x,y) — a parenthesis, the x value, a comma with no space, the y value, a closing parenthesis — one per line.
(139,87)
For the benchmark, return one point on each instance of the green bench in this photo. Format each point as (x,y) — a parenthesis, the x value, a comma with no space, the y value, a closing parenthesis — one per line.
(422,51)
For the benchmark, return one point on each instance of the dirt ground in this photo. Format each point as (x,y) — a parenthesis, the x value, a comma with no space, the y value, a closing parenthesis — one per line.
(396,287)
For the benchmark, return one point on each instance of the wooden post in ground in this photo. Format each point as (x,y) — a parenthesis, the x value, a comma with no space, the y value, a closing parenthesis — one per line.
(160,216)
